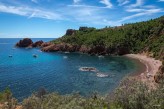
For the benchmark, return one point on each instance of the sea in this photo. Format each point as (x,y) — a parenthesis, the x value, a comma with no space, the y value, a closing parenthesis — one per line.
(59,71)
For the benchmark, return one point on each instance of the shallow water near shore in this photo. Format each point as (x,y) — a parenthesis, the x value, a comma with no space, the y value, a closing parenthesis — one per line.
(58,71)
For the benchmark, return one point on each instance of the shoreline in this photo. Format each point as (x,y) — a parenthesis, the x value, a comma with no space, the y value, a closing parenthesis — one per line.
(151,68)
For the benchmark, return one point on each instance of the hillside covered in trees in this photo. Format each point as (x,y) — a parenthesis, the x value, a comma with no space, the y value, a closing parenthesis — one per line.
(147,36)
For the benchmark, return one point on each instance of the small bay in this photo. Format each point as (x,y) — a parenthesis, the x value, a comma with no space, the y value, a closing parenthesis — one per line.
(58,71)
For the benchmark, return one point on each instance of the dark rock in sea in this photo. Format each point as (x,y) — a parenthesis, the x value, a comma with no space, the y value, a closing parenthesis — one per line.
(37,44)
(26,42)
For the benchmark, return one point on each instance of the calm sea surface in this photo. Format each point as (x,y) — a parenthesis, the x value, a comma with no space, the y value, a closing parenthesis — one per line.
(57,71)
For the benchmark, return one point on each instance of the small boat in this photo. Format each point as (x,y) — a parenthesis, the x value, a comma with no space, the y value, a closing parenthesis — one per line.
(35,56)
(10,56)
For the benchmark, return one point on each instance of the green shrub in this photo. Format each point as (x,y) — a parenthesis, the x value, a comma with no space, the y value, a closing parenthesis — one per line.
(6,99)
(136,95)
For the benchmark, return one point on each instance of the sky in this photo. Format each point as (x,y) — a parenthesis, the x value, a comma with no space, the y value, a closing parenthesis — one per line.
(51,18)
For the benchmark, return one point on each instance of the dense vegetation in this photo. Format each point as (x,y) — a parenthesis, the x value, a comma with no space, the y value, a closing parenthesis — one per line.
(147,36)
(130,94)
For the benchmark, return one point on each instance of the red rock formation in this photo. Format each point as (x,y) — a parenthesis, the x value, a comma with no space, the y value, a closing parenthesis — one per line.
(60,47)
(38,43)
(26,42)
(84,49)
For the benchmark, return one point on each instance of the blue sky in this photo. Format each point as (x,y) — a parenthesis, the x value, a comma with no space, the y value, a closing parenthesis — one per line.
(51,18)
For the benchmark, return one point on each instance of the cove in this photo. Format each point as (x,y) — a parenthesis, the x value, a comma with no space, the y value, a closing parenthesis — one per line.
(58,71)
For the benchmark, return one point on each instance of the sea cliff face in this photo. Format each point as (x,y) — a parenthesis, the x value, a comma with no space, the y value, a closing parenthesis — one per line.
(95,50)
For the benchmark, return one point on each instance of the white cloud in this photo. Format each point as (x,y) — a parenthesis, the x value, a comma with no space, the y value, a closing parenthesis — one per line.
(86,6)
(35,1)
(135,10)
(123,2)
(138,3)
(107,3)
(76,1)
(86,15)
(29,12)
(160,0)
(146,12)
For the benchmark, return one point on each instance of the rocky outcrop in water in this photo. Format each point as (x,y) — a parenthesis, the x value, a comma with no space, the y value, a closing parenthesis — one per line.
(27,42)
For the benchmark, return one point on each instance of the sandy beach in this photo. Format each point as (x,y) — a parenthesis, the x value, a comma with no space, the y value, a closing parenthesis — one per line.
(152,67)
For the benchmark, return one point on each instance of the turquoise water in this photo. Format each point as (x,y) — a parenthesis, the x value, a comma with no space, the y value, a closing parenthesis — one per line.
(57,71)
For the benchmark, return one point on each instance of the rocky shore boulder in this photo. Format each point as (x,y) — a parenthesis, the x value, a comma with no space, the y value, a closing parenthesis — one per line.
(26,42)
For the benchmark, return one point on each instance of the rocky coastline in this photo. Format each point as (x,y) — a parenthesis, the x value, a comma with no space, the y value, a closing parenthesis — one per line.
(65,47)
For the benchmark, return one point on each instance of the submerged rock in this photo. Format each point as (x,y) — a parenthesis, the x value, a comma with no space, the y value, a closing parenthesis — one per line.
(35,56)
(102,75)
(90,69)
